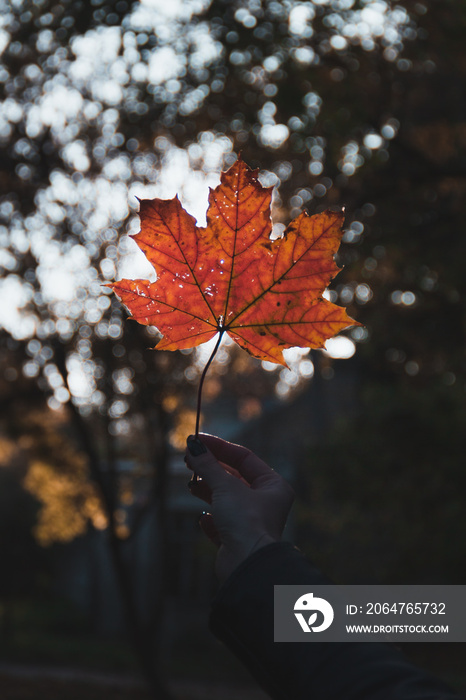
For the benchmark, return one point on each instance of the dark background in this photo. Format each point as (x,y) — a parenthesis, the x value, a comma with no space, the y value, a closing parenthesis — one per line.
(338,103)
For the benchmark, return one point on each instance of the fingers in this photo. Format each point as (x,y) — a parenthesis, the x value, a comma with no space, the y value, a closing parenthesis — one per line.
(199,488)
(201,460)
(245,462)
(207,524)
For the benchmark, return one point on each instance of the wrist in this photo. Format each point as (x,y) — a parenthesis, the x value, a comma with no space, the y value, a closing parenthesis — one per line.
(229,559)
(262,541)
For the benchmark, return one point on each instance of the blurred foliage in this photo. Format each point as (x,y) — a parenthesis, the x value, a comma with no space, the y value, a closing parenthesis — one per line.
(339,102)
(355,103)
(22,562)
(387,489)
(58,476)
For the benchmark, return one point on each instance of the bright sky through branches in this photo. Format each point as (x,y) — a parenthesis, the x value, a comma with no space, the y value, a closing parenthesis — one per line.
(94,185)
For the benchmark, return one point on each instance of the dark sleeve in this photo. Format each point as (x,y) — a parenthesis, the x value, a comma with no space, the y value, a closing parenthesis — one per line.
(242,618)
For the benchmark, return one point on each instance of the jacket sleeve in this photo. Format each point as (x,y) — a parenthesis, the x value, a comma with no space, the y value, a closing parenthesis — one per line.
(242,618)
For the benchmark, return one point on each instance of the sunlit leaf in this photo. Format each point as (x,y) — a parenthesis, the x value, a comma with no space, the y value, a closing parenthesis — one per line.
(230,277)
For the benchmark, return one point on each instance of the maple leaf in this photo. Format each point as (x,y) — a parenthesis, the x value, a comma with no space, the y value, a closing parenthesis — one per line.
(231,277)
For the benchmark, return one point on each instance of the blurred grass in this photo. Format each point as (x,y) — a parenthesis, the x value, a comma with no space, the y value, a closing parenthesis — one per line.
(53,689)
(51,653)
(51,633)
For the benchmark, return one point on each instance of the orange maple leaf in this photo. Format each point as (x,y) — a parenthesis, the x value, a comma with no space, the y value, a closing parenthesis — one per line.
(231,277)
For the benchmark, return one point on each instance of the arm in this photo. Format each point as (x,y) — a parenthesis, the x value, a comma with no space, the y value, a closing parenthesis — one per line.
(249,504)
(242,617)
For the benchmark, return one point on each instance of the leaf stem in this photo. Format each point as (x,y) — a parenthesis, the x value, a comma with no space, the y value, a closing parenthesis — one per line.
(201,382)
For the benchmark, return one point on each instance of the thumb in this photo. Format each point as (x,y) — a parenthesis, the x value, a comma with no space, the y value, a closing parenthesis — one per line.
(201,460)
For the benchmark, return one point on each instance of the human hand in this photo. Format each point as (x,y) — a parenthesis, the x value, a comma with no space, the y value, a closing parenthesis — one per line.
(249,502)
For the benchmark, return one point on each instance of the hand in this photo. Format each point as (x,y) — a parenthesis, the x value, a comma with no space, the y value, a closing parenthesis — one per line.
(249,502)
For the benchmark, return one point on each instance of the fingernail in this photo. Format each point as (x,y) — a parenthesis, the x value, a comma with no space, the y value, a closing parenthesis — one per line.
(195,446)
